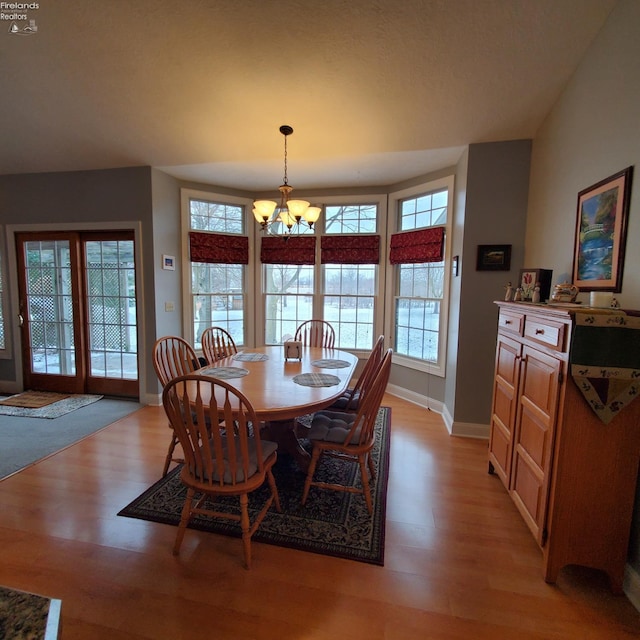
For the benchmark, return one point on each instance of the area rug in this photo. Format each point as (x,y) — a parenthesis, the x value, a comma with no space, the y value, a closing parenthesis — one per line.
(25,440)
(54,410)
(333,523)
(33,399)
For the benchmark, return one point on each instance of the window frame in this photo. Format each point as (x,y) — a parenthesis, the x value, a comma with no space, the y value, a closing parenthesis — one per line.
(188,320)
(377,199)
(392,284)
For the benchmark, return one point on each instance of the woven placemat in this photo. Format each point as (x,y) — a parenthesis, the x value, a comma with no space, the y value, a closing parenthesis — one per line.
(316,379)
(330,363)
(225,373)
(250,357)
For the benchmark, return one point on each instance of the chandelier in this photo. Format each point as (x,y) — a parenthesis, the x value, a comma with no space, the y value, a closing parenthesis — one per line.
(291,213)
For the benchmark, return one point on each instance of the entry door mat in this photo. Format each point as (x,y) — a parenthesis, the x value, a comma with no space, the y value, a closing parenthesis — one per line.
(60,407)
(333,523)
(33,399)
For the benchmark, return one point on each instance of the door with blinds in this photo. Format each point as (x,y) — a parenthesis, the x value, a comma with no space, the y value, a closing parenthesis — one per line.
(78,312)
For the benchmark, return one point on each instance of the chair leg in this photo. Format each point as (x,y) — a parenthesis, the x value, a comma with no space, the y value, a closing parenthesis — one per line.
(274,490)
(184,520)
(245,526)
(372,466)
(169,458)
(312,468)
(365,483)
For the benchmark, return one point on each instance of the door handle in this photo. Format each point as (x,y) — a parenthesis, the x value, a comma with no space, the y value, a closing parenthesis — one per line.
(20,319)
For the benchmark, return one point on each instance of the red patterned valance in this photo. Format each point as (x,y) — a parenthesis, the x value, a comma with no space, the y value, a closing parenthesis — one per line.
(288,250)
(350,249)
(424,245)
(218,248)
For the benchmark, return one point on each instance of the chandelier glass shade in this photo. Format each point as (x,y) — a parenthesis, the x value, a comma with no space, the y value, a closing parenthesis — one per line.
(290,213)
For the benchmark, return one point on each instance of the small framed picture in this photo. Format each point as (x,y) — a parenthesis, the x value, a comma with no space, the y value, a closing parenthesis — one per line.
(494,257)
(169,263)
(532,278)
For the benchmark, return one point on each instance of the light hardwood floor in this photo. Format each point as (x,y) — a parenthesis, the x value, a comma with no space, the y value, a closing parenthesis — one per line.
(460,562)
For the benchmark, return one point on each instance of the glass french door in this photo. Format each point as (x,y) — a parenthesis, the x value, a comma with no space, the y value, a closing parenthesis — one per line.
(78,312)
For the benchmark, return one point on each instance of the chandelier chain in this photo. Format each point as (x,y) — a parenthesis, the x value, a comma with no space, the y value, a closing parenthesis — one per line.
(289,213)
(285,159)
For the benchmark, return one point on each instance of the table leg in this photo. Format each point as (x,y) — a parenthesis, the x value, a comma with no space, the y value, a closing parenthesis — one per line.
(284,433)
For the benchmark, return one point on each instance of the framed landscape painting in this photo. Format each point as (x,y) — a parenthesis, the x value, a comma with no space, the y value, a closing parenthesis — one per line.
(494,257)
(601,230)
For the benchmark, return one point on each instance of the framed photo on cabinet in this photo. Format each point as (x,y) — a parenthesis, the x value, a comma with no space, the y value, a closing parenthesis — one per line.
(601,233)
(530,278)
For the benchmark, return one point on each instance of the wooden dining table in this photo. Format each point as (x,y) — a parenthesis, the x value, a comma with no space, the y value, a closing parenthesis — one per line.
(279,388)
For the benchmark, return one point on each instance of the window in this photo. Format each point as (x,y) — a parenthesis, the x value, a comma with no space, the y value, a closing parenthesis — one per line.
(419,279)
(289,278)
(349,288)
(339,283)
(217,286)
(288,299)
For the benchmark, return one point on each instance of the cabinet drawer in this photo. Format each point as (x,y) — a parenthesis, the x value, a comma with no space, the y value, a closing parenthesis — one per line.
(546,332)
(511,322)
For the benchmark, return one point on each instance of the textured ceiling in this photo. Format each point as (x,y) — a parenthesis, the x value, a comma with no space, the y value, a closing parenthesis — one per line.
(376,90)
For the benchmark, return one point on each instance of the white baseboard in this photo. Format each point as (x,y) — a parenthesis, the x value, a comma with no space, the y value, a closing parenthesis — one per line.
(154,399)
(416,398)
(470,430)
(460,429)
(631,586)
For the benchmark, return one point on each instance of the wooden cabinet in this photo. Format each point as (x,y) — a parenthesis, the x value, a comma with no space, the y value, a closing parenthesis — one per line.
(571,477)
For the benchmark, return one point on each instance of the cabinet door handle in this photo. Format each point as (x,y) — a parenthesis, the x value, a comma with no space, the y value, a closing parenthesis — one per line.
(539,331)
(507,321)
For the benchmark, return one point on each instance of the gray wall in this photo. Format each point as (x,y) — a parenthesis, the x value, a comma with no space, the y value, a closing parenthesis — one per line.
(83,198)
(592,132)
(167,241)
(496,193)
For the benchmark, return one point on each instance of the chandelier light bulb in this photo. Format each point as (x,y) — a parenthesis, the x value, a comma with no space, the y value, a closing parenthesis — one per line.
(311,215)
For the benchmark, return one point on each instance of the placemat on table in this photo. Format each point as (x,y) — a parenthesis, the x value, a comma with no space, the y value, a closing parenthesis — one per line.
(330,363)
(225,373)
(250,357)
(316,379)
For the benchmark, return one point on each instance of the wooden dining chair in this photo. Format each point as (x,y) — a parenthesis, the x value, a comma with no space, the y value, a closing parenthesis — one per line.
(351,398)
(172,357)
(349,436)
(316,333)
(230,460)
(217,343)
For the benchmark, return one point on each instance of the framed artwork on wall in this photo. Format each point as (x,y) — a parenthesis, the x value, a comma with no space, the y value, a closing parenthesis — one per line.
(601,233)
(494,257)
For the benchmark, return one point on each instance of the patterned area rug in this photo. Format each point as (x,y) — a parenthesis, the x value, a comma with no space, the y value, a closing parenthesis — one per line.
(53,410)
(333,523)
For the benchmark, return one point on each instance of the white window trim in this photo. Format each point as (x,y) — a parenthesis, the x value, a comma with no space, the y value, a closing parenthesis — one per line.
(439,368)
(380,201)
(185,219)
